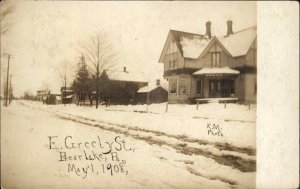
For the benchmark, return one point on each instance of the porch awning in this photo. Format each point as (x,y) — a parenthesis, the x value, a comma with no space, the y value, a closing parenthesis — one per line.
(216,71)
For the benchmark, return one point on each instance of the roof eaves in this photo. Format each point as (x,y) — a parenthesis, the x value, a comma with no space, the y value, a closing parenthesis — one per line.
(250,46)
(223,47)
(207,47)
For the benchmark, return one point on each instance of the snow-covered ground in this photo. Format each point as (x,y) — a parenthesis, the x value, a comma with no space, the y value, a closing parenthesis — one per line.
(237,122)
(173,149)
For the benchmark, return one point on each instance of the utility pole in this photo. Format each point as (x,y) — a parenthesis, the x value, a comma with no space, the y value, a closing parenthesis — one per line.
(65,84)
(147,95)
(10,90)
(6,98)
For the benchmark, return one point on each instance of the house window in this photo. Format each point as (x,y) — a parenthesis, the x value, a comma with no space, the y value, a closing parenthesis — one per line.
(215,59)
(219,85)
(232,88)
(173,86)
(173,64)
(212,86)
(183,86)
(199,86)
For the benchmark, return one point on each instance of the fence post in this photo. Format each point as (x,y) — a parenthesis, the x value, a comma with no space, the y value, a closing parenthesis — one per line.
(197,104)
(225,104)
(167,106)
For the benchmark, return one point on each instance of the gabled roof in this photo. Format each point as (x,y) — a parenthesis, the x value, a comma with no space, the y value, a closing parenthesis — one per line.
(125,76)
(239,42)
(190,45)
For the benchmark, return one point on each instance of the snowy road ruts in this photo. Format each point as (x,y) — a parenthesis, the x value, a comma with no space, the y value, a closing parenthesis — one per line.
(180,143)
(183,144)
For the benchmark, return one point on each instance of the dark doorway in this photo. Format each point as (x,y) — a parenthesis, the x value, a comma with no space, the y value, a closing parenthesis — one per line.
(221,88)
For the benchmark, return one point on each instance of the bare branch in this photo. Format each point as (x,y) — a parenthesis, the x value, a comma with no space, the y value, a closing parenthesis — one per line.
(5,11)
(98,52)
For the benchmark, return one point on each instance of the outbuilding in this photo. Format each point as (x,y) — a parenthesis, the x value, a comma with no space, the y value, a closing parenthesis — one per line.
(156,94)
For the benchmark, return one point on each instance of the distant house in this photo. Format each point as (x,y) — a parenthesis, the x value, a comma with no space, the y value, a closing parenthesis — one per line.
(42,94)
(120,86)
(67,95)
(48,97)
(156,94)
(53,99)
(203,66)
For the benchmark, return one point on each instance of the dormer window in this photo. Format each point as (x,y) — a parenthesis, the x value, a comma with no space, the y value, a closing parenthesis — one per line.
(216,59)
(173,64)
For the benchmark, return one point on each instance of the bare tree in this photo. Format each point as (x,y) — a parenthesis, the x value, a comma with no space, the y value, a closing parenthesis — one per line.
(5,11)
(100,54)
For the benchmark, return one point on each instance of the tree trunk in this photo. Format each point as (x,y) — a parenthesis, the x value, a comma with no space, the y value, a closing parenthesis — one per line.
(97,91)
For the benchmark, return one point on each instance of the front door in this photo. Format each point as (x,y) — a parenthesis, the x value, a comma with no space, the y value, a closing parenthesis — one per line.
(221,88)
(215,88)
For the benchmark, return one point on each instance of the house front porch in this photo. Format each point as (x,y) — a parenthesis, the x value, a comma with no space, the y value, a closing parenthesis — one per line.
(215,83)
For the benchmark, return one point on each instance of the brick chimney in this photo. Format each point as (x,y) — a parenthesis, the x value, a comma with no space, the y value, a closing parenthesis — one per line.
(157,82)
(208,29)
(124,69)
(229,27)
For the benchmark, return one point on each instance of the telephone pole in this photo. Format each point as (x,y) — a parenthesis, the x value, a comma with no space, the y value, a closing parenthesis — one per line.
(65,83)
(6,98)
(10,90)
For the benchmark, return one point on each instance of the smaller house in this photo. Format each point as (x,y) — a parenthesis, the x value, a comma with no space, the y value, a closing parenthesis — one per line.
(48,97)
(120,86)
(156,94)
(53,99)
(67,95)
(42,94)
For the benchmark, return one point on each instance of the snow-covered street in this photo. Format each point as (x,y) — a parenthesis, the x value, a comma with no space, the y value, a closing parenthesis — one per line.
(57,146)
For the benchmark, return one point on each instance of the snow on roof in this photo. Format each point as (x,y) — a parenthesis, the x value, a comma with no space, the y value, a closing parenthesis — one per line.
(239,43)
(148,89)
(216,70)
(191,45)
(67,90)
(125,76)
(69,96)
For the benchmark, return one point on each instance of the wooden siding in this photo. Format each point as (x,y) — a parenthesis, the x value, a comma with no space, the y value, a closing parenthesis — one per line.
(157,95)
(245,82)
(206,60)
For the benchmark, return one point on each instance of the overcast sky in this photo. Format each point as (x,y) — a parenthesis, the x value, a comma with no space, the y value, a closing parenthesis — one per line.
(47,33)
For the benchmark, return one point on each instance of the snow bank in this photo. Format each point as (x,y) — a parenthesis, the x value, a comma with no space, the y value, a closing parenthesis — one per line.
(236,122)
(26,157)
